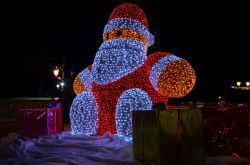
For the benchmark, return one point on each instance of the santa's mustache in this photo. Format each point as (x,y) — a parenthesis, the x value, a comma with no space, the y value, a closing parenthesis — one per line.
(117,58)
(123,43)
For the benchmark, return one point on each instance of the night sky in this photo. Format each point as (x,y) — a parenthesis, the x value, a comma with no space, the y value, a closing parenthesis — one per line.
(212,36)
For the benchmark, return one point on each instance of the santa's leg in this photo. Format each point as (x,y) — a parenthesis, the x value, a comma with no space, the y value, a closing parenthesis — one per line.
(84,114)
(132,99)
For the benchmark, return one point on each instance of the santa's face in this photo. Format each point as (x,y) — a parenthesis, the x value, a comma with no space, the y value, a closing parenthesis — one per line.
(117,58)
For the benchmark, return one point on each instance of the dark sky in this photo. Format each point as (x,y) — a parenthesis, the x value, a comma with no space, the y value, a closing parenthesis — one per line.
(213,36)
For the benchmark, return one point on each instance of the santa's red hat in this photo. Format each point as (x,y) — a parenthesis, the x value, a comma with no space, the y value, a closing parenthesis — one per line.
(129,16)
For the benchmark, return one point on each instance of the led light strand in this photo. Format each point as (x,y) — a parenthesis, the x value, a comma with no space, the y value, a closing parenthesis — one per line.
(125,33)
(117,58)
(159,67)
(78,86)
(129,10)
(132,99)
(84,114)
(83,81)
(87,78)
(177,79)
(107,95)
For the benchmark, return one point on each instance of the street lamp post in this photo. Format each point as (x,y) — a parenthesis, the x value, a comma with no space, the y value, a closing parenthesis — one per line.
(243,86)
(64,80)
(59,74)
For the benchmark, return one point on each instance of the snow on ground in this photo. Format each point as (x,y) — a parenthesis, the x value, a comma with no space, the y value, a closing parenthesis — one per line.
(66,149)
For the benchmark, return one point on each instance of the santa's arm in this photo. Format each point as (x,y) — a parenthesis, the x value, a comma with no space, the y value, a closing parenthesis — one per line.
(83,80)
(170,75)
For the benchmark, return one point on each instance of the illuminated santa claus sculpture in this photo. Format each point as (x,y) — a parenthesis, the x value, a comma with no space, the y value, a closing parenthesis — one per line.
(123,78)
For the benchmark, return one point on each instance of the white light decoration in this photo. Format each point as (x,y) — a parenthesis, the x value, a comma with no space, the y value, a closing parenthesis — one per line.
(127,23)
(84,114)
(159,67)
(117,58)
(86,78)
(123,78)
(132,99)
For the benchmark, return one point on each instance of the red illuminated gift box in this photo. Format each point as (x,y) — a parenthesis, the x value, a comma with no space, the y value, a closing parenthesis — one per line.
(40,121)
(172,136)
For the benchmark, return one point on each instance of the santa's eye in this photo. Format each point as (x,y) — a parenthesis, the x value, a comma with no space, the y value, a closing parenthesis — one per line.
(107,36)
(118,33)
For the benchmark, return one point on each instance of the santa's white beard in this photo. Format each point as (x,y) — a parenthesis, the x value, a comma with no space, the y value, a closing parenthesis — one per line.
(117,58)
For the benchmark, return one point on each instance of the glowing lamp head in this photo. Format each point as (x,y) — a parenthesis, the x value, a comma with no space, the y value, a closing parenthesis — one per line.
(238,83)
(62,84)
(56,72)
(128,21)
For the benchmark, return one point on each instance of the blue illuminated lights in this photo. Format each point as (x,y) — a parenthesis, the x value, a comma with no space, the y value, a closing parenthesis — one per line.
(84,114)
(117,58)
(132,99)
(86,78)
(159,67)
(127,23)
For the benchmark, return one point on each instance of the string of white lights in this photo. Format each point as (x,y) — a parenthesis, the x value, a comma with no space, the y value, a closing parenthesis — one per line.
(132,99)
(84,114)
(117,58)
(159,67)
(86,78)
